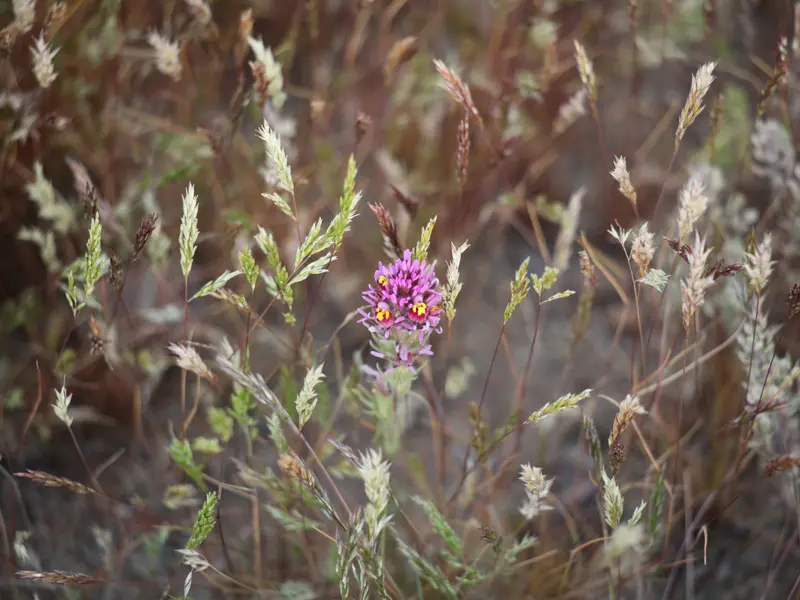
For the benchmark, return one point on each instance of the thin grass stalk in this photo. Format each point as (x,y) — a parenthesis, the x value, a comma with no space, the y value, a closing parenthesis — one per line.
(666,179)
(464,465)
(185,336)
(520,396)
(677,458)
(93,479)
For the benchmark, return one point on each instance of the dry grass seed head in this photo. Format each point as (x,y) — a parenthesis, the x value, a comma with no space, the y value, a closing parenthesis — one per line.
(49,480)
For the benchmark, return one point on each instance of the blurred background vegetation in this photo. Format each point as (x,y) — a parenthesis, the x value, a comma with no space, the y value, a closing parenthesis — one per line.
(114,134)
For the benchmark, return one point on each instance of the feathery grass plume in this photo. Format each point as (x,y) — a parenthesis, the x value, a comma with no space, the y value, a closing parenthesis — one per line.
(180,451)
(348,202)
(441,526)
(586,70)
(770,380)
(146,229)
(537,487)
(205,521)
(546,281)
(568,230)
(51,207)
(266,73)
(187,584)
(628,408)
(781,464)
(388,227)
(701,82)
(623,177)
(624,553)
(180,495)
(721,269)
(167,54)
(307,398)
(277,285)
(655,278)
(636,517)
(217,284)
(374,472)
(158,248)
(682,250)
(759,263)
(452,288)
(282,205)
(565,402)
(249,267)
(276,434)
(241,409)
(642,249)
(201,13)
(695,285)
(23,553)
(570,111)
(193,559)
(187,237)
(457,89)
(61,407)
(617,455)
(72,294)
(46,241)
(24,15)
(244,31)
(317,266)
(294,468)
(428,571)
(206,445)
(292,520)
(49,480)
(693,204)
(58,577)
(236,300)
(621,235)
(400,53)
(558,296)
(776,78)
(347,552)
(252,382)
(313,243)
(275,152)
(520,287)
(189,360)
(93,264)
(42,55)
(424,243)
(612,501)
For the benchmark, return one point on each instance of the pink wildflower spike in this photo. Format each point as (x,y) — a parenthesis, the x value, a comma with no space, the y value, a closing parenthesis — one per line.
(403,308)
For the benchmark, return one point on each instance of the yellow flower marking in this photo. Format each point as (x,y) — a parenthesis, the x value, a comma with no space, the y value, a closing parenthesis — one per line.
(419,309)
(383,280)
(382,314)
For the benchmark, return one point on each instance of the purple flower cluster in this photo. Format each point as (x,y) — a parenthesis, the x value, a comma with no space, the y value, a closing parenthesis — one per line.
(403,309)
